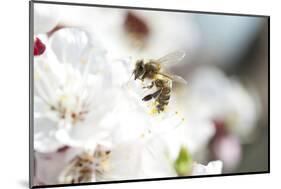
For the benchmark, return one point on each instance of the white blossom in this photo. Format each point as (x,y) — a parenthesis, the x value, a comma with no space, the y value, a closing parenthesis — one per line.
(142,158)
(215,96)
(72,91)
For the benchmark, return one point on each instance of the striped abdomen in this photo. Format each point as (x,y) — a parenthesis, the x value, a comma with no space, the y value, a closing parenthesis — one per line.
(164,96)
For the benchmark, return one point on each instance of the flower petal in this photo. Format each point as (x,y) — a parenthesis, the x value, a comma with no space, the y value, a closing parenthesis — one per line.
(49,165)
(213,167)
(44,135)
(75,46)
(138,159)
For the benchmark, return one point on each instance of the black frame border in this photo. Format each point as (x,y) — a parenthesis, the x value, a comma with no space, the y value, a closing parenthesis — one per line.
(31,92)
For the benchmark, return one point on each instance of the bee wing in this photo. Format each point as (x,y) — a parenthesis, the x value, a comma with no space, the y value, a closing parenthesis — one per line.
(171,58)
(174,78)
(178,79)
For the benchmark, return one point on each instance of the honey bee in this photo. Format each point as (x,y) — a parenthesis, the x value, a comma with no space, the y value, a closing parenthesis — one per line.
(154,71)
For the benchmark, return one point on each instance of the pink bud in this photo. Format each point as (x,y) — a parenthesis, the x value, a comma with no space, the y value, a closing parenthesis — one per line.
(39,47)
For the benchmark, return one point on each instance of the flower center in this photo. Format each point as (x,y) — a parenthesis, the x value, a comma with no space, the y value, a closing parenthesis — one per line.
(70,109)
(84,167)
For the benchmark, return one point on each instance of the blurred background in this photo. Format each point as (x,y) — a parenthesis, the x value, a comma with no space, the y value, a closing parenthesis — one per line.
(226,66)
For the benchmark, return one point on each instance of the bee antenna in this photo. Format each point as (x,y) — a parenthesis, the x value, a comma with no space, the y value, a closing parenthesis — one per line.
(132,75)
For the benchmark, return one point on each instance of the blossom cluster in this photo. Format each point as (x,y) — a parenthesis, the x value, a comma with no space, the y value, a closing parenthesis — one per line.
(90,123)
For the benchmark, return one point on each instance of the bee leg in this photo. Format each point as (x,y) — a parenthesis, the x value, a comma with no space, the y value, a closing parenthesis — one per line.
(147,98)
(143,76)
(153,95)
(149,86)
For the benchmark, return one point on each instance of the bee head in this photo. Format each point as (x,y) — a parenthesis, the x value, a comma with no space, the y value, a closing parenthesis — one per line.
(139,69)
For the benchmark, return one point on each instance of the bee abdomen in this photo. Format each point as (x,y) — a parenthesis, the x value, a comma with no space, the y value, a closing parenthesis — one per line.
(164,98)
